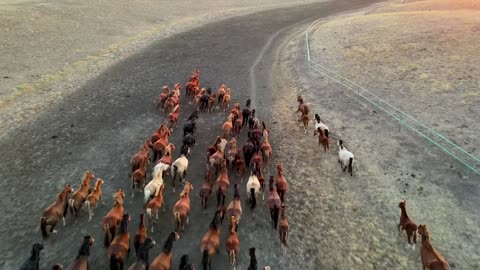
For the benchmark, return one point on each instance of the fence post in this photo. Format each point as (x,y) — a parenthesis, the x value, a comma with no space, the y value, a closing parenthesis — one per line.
(401,123)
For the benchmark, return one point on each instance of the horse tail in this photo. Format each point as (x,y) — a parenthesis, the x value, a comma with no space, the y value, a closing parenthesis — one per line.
(108,235)
(113,262)
(175,172)
(205,259)
(350,166)
(253,200)
(71,206)
(231,254)
(275,213)
(43,226)
(87,204)
(178,221)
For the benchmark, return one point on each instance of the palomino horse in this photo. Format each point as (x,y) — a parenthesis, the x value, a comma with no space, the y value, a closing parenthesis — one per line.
(222,182)
(153,206)
(55,211)
(153,187)
(140,235)
(181,209)
(93,198)
(232,152)
(237,126)
(142,261)
(160,100)
(408,225)
(211,242)
(180,166)
(119,249)
(280,182)
(235,207)
(253,189)
(221,94)
(431,259)
(81,262)
(79,196)
(113,217)
(274,203)
(227,127)
(266,148)
(233,243)
(164,260)
(226,100)
(32,263)
(253,259)
(173,117)
(283,226)
(160,145)
(137,159)
(139,176)
(206,190)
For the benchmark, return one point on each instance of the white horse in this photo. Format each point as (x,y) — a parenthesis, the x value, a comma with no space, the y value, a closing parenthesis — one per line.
(345,158)
(153,187)
(253,190)
(180,166)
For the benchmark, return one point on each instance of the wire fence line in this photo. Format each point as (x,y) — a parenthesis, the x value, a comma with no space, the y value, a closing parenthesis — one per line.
(471,162)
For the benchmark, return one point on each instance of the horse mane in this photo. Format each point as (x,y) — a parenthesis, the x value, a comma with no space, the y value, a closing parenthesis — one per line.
(271,184)
(98,184)
(167,247)
(236,194)
(124,225)
(214,223)
(85,247)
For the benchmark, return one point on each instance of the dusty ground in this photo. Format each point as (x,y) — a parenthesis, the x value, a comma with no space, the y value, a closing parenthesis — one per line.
(351,221)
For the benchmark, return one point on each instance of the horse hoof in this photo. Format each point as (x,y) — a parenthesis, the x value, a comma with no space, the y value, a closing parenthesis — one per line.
(54,231)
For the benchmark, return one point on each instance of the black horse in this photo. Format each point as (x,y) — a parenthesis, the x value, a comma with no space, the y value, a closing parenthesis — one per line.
(189,140)
(249,149)
(142,261)
(246,113)
(34,260)
(253,259)
(190,125)
(184,264)
(204,99)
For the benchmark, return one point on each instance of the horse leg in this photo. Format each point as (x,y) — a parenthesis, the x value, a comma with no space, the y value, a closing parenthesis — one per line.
(52,226)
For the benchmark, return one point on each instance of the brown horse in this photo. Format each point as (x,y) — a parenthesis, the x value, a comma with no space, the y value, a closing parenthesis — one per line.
(235,206)
(211,102)
(221,94)
(212,149)
(167,157)
(155,137)
(237,126)
(261,179)
(283,226)
(154,205)
(239,166)
(281,183)
(164,260)
(266,148)
(81,261)
(119,249)
(55,211)
(211,242)
(218,158)
(79,196)
(256,161)
(233,243)
(408,225)
(160,100)
(206,190)
(160,145)
(181,209)
(232,152)
(113,217)
(222,182)
(226,100)
(302,107)
(173,117)
(227,127)
(305,119)
(137,159)
(431,259)
(139,176)
(171,102)
(274,203)
(140,235)
(93,198)
(323,139)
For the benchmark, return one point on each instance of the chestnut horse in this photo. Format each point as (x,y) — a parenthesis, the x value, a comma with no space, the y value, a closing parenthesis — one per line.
(227,127)
(181,209)
(235,206)
(231,153)
(164,260)
(206,190)
(119,249)
(256,161)
(212,149)
(160,145)
(79,196)
(173,117)
(160,100)
(81,262)
(266,148)
(153,206)
(113,217)
(222,182)
(218,158)
(32,263)
(167,157)
(142,262)
(93,198)
(431,259)
(281,182)
(155,137)
(302,107)
(239,166)
(408,225)
(139,176)
(226,100)
(210,242)
(137,159)
(140,235)
(274,203)
(305,119)
(233,243)
(237,126)
(211,102)
(55,211)
(221,94)
(283,226)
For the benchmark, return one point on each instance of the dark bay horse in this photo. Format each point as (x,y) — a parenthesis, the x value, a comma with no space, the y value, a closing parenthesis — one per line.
(34,260)
(119,249)
(81,261)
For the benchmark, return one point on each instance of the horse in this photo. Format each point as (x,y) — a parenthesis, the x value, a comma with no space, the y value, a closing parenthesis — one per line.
(33,262)
(181,209)
(280,182)
(248,150)
(283,226)
(253,121)
(189,140)
(322,130)
(113,217)
(407,224)
(153,206)
(239,166)
(253,189)
(231,153)
(190,125)
(180,166)
(235,206)
(198,98)
(206,190)
(212,149)
(164,260)
(345,158)
(79,196)
(139,176)
(142,262)
(257,135)
(184,264)
(57,267)
(302,107)
(119,249)
(155,137)
(153,187)
(226,100)
(431,258)
(233,243)
(266,148)
(81,261)
(211,242)
(137,159)
(222,182)
(237,126)
(246,113)
(274,203)
(167,157)
(227,127)
(204,100)
(256,161)
(211,102)
(93,198)
(304,119)
(221,94)
(160,145)
(160,100)
(55,211)
(261,179)
(140,235)
(171,102)
(216,160)
(253,259)
(173,117)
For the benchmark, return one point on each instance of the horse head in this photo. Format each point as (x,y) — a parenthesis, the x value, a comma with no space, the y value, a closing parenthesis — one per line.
(67,188)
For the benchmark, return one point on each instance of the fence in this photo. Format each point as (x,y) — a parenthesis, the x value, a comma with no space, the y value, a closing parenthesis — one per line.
(471,162)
